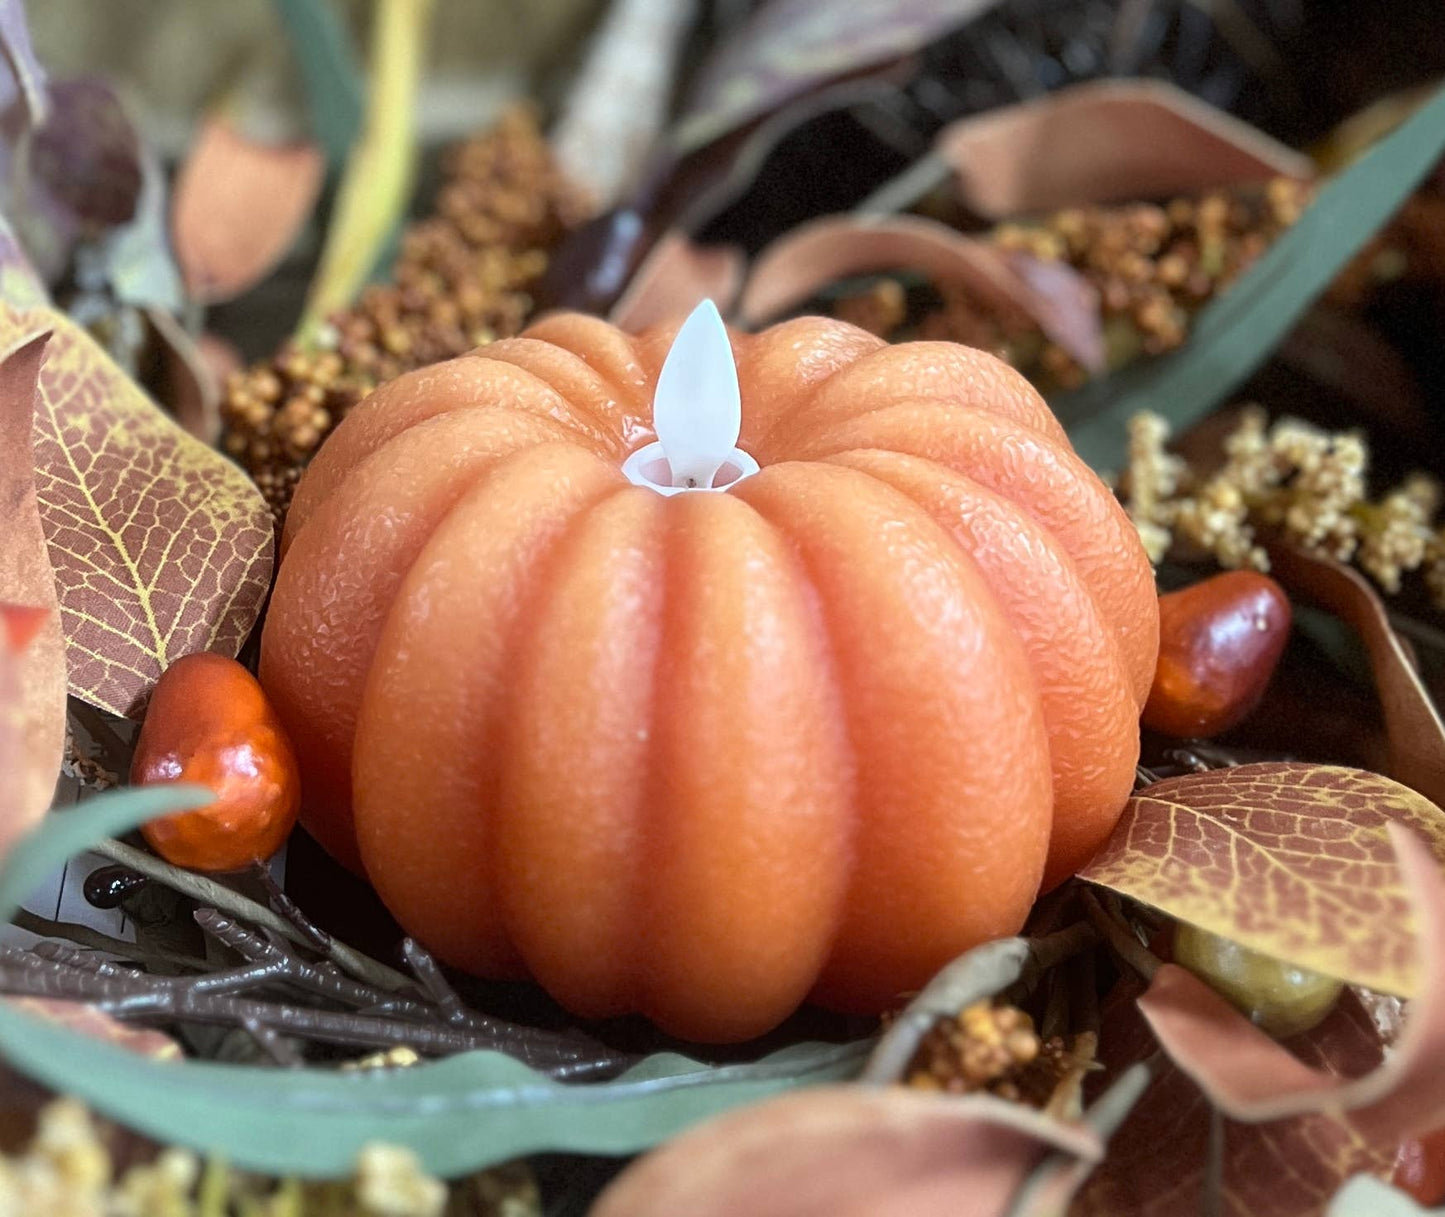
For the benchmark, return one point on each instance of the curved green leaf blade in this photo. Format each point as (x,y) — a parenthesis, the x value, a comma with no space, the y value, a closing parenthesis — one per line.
(330,73)
(1235,333)
(459,1114)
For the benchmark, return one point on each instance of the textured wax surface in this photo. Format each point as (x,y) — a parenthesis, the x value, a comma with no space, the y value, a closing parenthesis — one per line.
(707,756)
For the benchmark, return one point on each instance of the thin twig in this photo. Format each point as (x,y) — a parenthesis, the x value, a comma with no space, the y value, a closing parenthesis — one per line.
(320,979)
(315,936)
(435,984)
(1067,1101)
(171,999)
(1120,939)
(208,892)
(277,1047)
(542,1048)
(1211,1200)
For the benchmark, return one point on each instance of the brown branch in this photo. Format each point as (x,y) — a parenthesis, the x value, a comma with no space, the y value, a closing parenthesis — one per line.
(1120,938)
(149,999)
(208,892)
(277,1047)
(97,941)
(543,1049)
(434,983)
(315,937)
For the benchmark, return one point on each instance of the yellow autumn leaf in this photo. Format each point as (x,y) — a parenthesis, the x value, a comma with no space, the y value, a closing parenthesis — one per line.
(1286,858)
(160,545)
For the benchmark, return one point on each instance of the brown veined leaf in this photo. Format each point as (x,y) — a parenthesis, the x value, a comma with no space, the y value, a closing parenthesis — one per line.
(675,278)
(1289,859)
(1157,1162)
(797,266)
(1106,142)
(1414,732)
(160,545)
(849,1151)
(1250,1077)
(33,655)
(239,205)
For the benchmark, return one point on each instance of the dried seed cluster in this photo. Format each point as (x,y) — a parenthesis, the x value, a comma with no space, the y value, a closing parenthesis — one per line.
(1153,267)
(1292,479)
(983,1048)
(462,279)
(67,1172)
(996,1049)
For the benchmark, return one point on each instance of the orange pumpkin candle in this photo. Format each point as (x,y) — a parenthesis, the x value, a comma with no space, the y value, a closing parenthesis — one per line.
(705,751)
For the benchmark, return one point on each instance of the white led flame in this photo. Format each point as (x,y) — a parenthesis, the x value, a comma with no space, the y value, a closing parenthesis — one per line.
(696,412)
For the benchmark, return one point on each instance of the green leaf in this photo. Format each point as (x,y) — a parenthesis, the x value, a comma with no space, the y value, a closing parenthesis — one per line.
(330,73)
(1236,332)
(376,184)
(459,1114)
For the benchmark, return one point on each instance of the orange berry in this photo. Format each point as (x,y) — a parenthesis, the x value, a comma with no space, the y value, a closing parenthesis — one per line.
(1420,1167)
(210,723)
(1219,643)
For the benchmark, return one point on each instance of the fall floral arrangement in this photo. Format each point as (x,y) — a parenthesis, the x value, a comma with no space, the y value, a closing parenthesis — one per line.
(904,683)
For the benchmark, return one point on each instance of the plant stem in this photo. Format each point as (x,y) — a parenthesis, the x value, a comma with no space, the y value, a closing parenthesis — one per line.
(1119,937)
(208,892)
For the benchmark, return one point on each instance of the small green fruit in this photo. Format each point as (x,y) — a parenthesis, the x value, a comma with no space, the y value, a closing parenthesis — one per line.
(1278,997)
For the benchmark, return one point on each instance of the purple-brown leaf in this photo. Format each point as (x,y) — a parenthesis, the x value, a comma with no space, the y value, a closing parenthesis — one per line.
(32,668)
(239,205)
(849,1151)
(792,46)
(1414,733)
(1250,1077)
(24,68)
(1156,1165)
(675,278)
(798,265)
(1106,142)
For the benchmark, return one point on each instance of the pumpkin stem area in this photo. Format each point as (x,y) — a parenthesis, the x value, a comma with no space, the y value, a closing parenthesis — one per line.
(696,412)
(650,467)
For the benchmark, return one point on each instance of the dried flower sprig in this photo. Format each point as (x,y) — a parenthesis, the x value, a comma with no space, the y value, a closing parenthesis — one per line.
(68,1169)
(1293,480)
(462,279)
(1153,266)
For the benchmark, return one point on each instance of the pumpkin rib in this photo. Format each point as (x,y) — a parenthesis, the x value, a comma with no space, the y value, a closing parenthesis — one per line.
(611,353)
(438,686)
(1088,703)
(1050,483)
(414,398)
(935,371)
(570,886)
(329,604)
(926,655)
(749,739)
(624,416)
(692,757)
